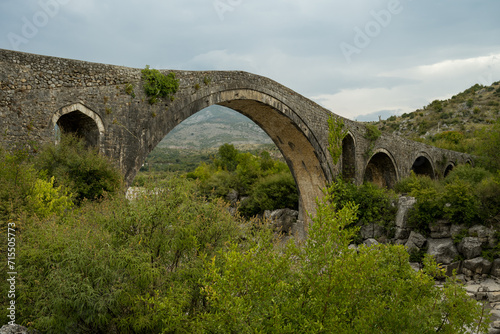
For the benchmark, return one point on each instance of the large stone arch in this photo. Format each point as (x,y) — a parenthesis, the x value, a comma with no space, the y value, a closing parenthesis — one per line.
(381,169)
(303,153)
(81,121)
(422,165)
(348,157)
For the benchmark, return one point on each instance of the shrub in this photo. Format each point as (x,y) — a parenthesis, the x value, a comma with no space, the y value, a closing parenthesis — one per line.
(119,267)
(414,183)
(323,286)
(461,204)
(428,209)
(467,173)
(17,176)
(376,205)
(372,132)
(276,191)
(157,85)
(454,137)
(45,199)
(88,174)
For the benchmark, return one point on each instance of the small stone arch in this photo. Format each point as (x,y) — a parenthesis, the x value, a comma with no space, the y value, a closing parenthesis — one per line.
(348,157)
(448,169)
(381,170)
(81,121)
(422,165)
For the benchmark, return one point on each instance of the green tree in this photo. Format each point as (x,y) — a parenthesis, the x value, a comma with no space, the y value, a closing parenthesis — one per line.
(227,157)
(323,286)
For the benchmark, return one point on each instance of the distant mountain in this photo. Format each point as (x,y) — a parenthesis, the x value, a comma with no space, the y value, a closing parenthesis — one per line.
(213,127)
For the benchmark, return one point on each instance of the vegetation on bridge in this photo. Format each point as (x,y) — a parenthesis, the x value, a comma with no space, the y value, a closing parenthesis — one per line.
(157,85)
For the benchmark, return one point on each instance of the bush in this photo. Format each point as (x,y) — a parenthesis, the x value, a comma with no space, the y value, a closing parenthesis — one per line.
(376,205)
(467,173)
(276,191)
(461,204)
(45,199)
(372,132)
(264,183)
(324,286)
(414,183)
(157,85)
(427,210)
(119,267)
(88,174)
(17,176)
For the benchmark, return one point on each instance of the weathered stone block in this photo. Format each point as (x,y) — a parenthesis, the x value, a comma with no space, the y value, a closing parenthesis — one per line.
(483,233)
(478,265)
(405,203)
(455,266)
(495,268)
(443,250)
(372,231)
(370,242)
(470,247)
(417,239)
(283,219)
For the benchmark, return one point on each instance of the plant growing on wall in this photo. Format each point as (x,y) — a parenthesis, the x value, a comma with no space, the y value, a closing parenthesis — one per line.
(372,134)
(158,85)
(336,133)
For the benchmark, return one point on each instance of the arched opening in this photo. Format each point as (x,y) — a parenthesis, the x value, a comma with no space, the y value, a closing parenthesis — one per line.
(80,121)
(301,150)
(348,158)
(448,169)
(422,166)
(381,171)
(80,125)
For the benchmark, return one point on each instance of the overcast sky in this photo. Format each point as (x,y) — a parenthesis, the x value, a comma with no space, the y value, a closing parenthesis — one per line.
(354,57)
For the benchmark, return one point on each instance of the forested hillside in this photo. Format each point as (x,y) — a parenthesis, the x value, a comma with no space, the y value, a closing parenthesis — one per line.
(462,123)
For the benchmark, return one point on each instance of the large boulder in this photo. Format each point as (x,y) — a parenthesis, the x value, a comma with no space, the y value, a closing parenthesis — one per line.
(485,234)
(232,197)
(495,268)
(477,266)
(373,230)
(416,239)
(405,203)
(470,247)
(443,250)
(283,219)
(370,242)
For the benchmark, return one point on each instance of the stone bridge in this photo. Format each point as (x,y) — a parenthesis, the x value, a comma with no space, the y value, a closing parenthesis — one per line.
(106,105)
